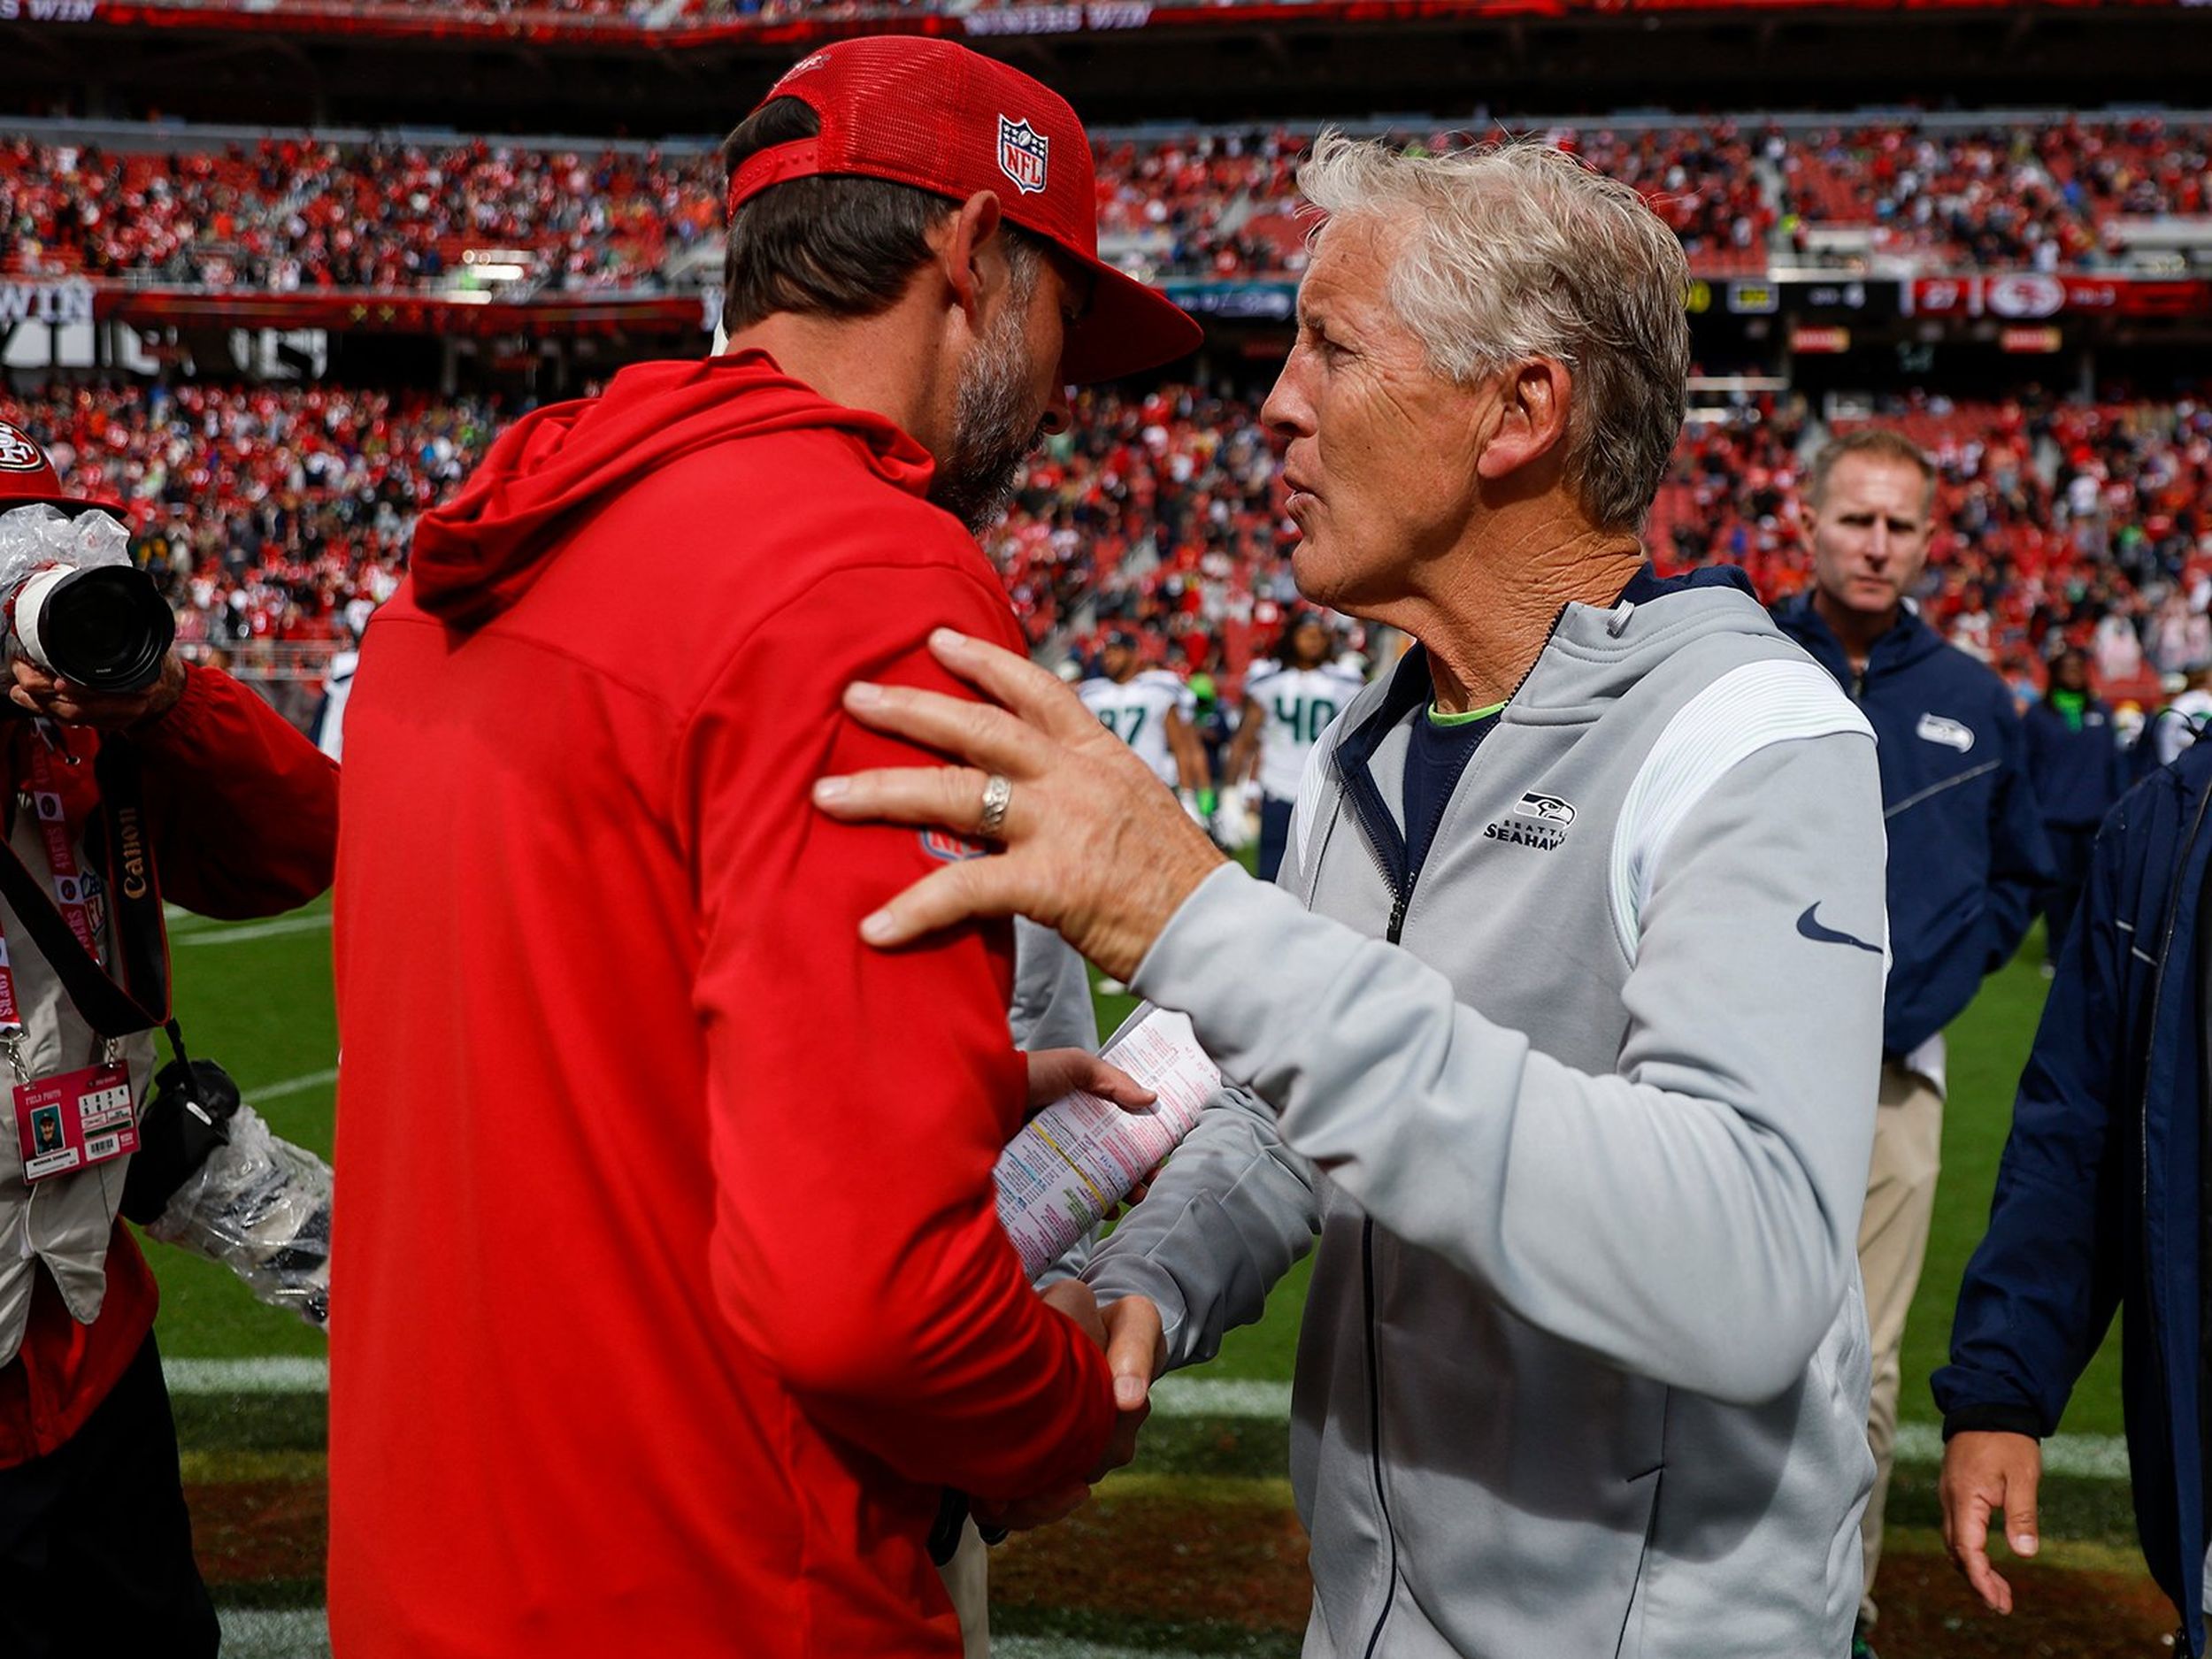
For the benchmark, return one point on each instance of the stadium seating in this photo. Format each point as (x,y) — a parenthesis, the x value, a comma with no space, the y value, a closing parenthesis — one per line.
(2090,522)
(2051,196)
(268,512)
(288,214)
(292,213)
(283,514)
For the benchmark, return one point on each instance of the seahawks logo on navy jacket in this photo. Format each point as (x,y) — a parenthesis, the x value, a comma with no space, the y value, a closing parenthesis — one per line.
(1536,820)
(1937,728)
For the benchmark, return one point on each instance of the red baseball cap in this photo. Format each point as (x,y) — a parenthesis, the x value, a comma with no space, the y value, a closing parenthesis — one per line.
(942,119)
(28,477)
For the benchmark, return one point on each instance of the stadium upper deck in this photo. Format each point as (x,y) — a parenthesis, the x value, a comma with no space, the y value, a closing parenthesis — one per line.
(618,20)
(482,221)
(609,65)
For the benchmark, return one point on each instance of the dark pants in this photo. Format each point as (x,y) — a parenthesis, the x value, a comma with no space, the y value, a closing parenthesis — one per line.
(96,1547)
(2070,845)
(1274,836)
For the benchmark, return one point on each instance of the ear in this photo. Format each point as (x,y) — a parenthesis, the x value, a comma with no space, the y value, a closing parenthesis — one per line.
(972,254)
(1807,511)
(1529,409)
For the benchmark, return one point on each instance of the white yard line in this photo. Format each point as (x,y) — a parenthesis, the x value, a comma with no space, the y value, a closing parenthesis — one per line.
(259,1633)
(1068,1647)
(290,1375)
(1220,1397)
(2097,1456)
(293,1085)
(254,1633)
(252,931)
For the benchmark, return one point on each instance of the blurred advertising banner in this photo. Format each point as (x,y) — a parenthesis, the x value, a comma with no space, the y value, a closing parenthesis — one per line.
(2025,298)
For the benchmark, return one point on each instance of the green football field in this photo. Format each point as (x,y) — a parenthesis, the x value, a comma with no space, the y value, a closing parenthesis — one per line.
(257,997)
(1988,1047)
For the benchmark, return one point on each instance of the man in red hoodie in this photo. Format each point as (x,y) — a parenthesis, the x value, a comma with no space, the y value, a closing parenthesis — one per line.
(673,1291)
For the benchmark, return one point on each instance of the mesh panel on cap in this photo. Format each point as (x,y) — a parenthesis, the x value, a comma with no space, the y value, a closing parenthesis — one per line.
(927,113)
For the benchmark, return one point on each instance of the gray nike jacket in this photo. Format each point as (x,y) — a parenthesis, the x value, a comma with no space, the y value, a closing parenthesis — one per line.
(1584,1370)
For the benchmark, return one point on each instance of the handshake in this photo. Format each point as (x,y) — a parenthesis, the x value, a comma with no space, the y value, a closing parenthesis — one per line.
(1117,1115)
(1128,1333)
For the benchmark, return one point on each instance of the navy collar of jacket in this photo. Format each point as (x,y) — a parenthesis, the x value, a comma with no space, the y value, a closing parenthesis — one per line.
(1905,642)
(1411,685)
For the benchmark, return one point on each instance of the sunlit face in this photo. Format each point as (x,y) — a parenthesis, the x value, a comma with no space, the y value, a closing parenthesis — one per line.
(1870,532)
(1010,395)
(1381,449)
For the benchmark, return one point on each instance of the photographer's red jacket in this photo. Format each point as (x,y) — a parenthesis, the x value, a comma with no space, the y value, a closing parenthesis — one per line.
(242,811)
(669,1286)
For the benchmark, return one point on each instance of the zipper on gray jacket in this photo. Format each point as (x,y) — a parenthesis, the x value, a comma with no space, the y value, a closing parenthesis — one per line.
(1374,1415)
(1374,1358)
(1371,814)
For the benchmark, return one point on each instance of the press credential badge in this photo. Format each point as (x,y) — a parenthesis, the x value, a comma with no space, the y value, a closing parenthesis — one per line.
(75,1121)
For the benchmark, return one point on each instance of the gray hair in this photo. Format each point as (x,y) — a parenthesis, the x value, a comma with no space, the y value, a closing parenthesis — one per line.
(1517,251)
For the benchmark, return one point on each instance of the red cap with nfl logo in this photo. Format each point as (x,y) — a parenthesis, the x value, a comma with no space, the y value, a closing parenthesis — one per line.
(28,477)
(942,119)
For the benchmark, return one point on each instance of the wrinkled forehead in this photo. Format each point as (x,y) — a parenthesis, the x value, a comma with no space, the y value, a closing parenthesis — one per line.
(1357,247)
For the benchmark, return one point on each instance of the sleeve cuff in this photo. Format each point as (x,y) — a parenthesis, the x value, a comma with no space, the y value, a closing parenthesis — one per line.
(1185,962)
(1992,1419)
(1134,1274)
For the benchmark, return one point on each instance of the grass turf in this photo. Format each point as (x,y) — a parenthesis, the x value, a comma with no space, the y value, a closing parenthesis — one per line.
(259,1000)
(1988,1046)
(261,1004)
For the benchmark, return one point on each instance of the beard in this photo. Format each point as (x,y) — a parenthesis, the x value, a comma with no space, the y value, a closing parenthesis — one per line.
(994,428)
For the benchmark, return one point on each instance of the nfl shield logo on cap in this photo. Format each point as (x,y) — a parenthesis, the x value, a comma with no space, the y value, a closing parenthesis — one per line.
(1022,153)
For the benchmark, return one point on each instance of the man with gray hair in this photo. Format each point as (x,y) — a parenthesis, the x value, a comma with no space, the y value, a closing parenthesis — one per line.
(1561,1028)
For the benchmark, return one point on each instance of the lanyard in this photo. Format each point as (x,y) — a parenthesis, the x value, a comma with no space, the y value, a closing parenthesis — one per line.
(69,897)
(60,924)
(61,852)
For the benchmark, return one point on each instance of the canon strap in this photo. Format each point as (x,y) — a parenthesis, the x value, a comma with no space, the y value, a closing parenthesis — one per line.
(140,1000)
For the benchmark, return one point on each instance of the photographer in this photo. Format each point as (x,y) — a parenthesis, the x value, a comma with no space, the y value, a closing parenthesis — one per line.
(182,787)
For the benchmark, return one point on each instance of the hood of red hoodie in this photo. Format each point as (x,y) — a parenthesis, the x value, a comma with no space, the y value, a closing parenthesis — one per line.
(479,552)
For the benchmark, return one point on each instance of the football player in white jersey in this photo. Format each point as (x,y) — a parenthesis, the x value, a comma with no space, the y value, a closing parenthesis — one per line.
(1287,704)
(1150,710)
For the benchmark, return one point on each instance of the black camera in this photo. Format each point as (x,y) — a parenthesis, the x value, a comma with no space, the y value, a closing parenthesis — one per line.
(105,627)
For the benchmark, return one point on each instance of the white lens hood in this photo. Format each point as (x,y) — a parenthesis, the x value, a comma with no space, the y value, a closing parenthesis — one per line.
(30,610)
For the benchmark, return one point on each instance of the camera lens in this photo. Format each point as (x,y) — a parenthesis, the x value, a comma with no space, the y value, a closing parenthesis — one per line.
(105,627)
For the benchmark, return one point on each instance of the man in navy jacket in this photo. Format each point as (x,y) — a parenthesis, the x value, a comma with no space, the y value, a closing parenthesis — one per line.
(2099,1203)
(1966,854)
(2078,769)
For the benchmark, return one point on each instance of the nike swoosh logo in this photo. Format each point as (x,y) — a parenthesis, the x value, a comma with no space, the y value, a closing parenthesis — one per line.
(1815,932)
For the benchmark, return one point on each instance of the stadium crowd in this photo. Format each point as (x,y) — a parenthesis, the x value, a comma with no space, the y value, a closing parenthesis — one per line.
(283,513)
(269,513)
(2061,521)
(291,213)
(644,14)
(2041,197)
(285,214)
